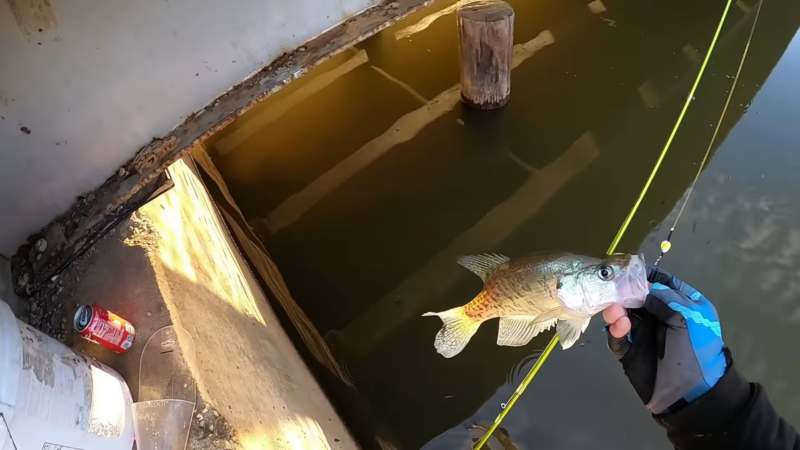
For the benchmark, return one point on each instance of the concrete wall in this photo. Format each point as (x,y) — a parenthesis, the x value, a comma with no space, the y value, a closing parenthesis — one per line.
(103,78)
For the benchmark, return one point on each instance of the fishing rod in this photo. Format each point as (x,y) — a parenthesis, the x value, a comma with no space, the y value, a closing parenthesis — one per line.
(666,244)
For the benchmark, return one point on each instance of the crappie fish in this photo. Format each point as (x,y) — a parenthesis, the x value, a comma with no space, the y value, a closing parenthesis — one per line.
(530,294)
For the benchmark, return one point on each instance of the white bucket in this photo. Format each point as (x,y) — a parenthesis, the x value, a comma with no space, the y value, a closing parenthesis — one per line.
(52,398)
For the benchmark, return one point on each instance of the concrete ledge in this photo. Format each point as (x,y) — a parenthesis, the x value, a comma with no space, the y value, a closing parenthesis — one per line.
(174,262)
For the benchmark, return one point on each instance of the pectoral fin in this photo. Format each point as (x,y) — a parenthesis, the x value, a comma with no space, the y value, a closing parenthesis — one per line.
(516,331)
(570,330)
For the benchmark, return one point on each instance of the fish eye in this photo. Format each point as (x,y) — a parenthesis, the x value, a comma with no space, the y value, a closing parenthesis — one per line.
(605,273)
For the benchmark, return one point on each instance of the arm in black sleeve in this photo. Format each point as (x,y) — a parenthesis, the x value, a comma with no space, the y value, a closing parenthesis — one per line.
(734,414)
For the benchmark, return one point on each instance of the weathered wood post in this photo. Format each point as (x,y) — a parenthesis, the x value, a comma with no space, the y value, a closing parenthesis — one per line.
(486,47)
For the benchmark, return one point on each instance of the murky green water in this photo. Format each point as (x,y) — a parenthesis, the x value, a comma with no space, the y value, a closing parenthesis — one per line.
(367,178)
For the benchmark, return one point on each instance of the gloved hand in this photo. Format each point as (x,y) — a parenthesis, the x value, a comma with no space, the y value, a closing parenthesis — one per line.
(672,349)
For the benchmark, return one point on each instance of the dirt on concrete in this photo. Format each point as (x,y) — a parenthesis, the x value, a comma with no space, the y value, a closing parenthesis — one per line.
(174,263)
(116,273)
(210,431)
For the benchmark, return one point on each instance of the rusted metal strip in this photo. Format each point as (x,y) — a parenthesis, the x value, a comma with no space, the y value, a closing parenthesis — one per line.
(73,234)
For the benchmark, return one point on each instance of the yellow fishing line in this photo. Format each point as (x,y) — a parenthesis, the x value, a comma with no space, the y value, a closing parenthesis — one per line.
(543,357)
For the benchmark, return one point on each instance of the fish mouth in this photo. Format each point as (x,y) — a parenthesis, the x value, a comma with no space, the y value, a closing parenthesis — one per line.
(631,284)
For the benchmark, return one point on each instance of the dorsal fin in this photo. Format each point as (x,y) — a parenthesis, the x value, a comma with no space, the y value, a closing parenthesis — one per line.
(483,265)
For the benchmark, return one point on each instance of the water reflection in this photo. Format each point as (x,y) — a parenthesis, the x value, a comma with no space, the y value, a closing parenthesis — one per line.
(367,178)
(747,223)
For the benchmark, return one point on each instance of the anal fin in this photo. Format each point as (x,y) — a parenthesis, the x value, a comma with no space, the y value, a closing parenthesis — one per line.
(516,331)
(570,330)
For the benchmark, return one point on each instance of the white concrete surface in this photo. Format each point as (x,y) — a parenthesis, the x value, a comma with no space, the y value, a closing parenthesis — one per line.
(111,75)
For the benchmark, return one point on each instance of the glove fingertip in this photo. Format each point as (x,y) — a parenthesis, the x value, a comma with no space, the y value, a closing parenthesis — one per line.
(618,346)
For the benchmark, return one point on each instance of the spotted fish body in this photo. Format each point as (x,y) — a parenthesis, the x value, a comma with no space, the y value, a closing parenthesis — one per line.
(527,286)
(532,293)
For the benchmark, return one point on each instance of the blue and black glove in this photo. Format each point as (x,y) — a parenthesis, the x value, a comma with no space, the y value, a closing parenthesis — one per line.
(674,352)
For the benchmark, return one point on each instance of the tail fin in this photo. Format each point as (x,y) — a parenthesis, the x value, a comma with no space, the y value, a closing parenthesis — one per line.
(457,329)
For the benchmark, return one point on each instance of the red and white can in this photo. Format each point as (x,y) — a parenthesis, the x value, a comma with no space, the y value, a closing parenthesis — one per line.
(103,327)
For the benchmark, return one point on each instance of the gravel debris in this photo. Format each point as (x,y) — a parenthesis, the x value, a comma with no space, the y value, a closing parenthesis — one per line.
(212,432)
(41,245)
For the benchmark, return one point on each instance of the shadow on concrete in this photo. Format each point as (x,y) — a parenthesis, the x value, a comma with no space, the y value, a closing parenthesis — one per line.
(350,404)
(241,367)
(121,279)
(7,288)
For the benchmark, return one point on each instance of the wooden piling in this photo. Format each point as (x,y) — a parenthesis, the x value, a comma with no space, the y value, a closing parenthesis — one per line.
(486,41)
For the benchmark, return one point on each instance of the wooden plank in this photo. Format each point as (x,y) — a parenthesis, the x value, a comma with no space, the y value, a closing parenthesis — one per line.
(429,19)
(279,108)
